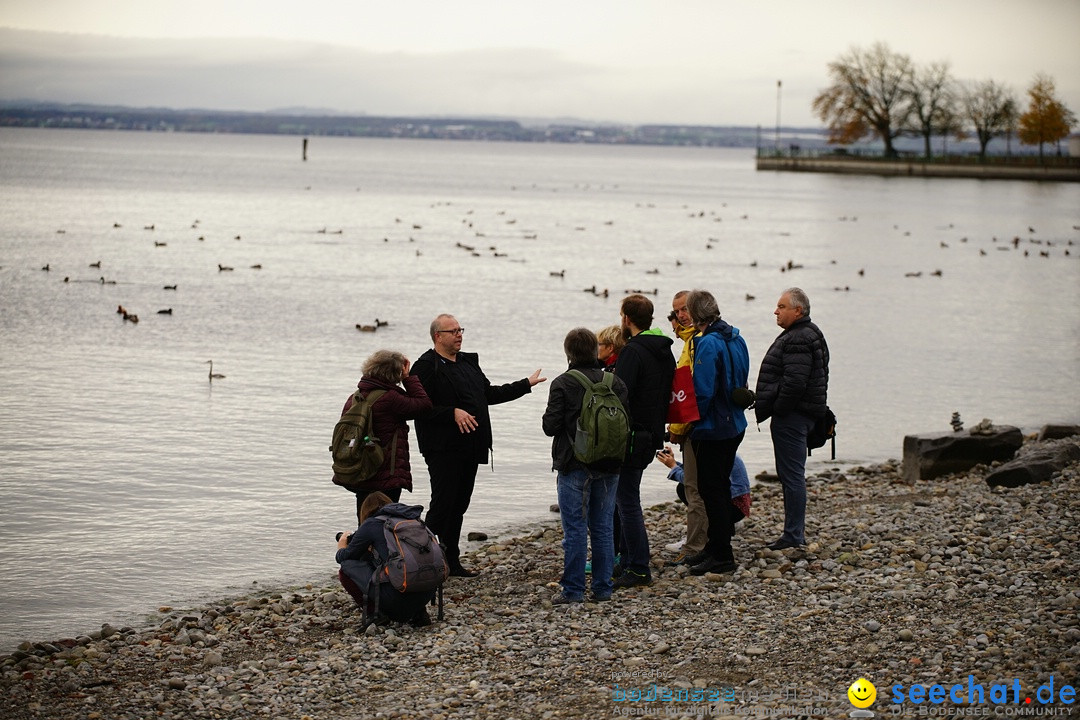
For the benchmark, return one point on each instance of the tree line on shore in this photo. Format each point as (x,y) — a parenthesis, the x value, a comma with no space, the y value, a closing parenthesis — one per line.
(876,92)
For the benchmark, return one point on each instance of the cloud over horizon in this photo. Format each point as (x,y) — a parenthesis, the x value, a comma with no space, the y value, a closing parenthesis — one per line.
(258,75)
(628,71)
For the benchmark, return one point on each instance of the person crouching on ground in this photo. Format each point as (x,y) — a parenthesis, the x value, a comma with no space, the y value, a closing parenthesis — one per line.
(586,492)
(357,556)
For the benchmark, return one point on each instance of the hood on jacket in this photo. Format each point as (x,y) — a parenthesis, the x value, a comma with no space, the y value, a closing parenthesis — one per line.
(401,510)
(655,342)
(722,327)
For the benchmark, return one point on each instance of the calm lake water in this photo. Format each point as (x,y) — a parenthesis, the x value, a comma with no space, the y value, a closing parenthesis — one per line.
(128,481)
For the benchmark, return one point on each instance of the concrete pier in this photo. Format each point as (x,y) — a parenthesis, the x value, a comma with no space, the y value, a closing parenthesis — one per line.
(1054,169)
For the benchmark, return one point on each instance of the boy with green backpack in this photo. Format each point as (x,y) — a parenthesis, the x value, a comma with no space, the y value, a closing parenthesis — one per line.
(587,419)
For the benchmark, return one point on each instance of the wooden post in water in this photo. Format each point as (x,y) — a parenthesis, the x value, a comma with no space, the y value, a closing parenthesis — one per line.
(304,150)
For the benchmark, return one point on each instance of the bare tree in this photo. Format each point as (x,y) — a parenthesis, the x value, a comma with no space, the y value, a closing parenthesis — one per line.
(991,109)
(933,103)
(869,96)
(1046,119)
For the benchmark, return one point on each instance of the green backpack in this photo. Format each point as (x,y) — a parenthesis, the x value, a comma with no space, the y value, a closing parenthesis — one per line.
(603,426)
(356,452)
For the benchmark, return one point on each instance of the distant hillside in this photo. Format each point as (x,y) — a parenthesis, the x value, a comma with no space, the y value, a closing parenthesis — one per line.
(26,114)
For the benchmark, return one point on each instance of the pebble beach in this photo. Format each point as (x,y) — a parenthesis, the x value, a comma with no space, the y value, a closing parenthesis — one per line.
(940,582)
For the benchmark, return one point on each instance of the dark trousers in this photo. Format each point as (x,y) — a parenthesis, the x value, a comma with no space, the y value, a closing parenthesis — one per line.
(452,481)
(401,607)
(361,496)
(634,545)
(789,450)
(715,458)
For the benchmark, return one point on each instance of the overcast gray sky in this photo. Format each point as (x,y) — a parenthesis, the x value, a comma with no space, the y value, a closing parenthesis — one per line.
(709,62)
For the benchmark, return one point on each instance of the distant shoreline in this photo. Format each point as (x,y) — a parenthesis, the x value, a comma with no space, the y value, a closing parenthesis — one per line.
(26,114)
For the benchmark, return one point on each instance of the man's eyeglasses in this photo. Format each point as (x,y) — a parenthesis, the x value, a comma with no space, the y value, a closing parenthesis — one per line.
(454,331)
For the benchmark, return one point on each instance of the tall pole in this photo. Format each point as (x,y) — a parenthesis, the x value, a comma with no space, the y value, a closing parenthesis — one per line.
(777,140)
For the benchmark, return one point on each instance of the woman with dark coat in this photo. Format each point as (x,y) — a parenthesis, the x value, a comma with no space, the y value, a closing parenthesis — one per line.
(389,370)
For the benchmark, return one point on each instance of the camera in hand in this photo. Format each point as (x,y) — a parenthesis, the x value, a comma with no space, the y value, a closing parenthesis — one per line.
(348,538)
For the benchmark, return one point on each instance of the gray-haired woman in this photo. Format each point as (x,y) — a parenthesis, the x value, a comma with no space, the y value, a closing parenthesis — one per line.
(404,399)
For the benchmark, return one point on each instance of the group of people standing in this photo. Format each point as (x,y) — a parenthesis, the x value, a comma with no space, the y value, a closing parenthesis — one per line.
(447,395)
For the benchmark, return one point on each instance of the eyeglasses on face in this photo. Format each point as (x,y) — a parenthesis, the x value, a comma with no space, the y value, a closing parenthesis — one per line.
(453,331)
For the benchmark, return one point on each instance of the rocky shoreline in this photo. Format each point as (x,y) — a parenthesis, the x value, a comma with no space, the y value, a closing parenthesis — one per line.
(947,581)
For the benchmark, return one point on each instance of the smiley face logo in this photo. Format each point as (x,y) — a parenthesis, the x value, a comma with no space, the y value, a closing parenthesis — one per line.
(862,693)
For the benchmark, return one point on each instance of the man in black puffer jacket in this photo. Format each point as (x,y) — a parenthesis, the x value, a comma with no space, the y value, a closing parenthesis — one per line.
(792,389)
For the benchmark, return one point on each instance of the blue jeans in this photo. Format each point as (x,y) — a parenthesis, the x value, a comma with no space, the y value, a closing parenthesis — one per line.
(789,451)
(586,506)
(635,539)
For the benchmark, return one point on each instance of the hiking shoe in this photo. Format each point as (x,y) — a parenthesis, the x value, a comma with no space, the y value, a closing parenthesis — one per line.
(696,558)
(561,598)
(421,619)
(632,578)
(600,598)
(682,559)
(712,565)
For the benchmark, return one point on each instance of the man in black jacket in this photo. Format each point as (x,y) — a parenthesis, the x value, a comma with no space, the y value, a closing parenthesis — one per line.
(792,389)
(455,436)
(647,366)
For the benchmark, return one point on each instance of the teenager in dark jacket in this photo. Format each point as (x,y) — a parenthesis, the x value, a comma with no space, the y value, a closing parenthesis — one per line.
(647,367)
(455,435)
(362,552)
(384,370)
(586,492)
(792,389)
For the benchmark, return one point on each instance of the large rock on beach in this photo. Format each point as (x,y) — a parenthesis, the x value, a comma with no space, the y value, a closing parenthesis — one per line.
(932,455)
(1036,466)
(1055,431)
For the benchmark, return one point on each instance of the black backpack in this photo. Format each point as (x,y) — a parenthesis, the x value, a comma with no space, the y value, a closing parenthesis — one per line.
(357,454)
(824,429)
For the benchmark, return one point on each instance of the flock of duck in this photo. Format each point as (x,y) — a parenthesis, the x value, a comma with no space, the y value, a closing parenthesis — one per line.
(131,317)
(1029,245)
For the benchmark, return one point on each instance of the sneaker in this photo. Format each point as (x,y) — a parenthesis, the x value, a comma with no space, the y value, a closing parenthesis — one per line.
(675,546)
(783,544)
(561,598)
(599,598)
(712,565)
(632,578)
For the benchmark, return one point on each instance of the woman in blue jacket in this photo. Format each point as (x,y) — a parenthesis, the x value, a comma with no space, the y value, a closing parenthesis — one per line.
(721,364)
